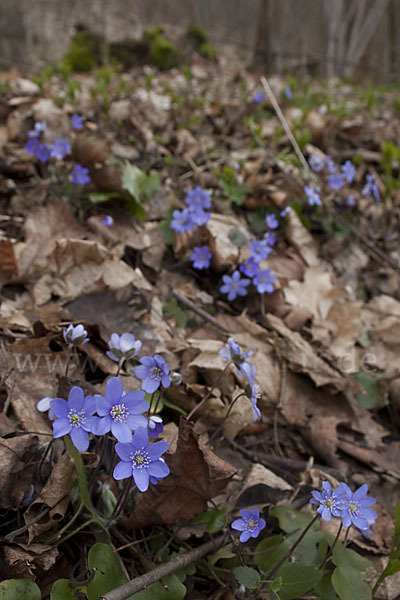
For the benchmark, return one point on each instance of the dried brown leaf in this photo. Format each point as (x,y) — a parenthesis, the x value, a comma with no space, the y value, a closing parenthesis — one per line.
(196,475)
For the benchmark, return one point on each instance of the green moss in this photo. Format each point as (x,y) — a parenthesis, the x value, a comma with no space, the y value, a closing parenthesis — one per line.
(162,53)
(199,39)
(80,56)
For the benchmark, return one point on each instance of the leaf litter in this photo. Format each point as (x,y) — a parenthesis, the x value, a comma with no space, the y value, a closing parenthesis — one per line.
(335,311)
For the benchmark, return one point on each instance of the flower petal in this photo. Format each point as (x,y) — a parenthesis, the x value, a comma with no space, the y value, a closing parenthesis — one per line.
(122,470)
(101,426)
(140,438)
(103,406)
(156,449)
(76,398)
(141,478)
(59,408)
(61,427)
(158,469)
(80,438)
(121,431)
(114,390)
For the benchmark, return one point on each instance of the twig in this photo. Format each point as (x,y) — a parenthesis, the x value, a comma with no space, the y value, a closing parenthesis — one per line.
(189,304)
(180,562)
(285,124)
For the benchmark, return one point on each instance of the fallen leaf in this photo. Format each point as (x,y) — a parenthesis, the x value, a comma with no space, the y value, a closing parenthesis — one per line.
(196,475)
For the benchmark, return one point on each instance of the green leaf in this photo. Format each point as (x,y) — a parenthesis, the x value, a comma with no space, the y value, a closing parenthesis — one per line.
(276,584)
(313,546)
(170,589)
(132,180)
(349,585)
(325,589)
(225,552)
(237,237)
(165,229)
(98,198)
(349,560)
(108,501)
(249,578)
(172,309)
(19,589)
(371,396)
(270,551)
(215,519)
(297,579)
(62,590)
(135,209)
(108,574)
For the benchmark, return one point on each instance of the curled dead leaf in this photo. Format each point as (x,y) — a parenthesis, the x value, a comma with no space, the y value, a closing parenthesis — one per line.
(196,475)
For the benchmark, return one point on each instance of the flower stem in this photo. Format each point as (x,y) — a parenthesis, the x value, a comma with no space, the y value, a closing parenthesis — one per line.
(208,394)
(292,548)
(329,554)
(85,499)
(216,432)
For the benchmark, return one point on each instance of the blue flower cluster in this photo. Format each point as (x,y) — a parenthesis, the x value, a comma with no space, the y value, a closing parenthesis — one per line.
(232,353)
(262,278)
(353,508)
(116,411)
(195,215)
(59,149)
(337,180)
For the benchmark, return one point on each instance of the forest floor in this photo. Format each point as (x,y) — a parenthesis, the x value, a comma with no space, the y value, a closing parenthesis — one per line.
(325,340)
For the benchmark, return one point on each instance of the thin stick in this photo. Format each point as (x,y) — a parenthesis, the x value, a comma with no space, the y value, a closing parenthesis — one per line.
(285,124)
(180,562)
(210,391)
(202,313)
(292,548)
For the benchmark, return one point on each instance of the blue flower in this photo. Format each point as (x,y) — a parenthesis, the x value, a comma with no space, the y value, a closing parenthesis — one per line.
(182,221)
(44,153)
(249,267)
(331,502)
(74,417)
(201,257)
(316,163)
(32,146)
(76,122)
(141,460)
(250,524)
(59,149)
(288,92)
(336,182)
(234,286)
(349,171)
(271,221)
(358,509)
(107,221)
(198,199)
(38,128)
(371,188)
(259,97)
(270,238)
(351,201)
(44,406)
(286,210)
(259,250)
(80,175)
(155,426)
(264,281)
(75,335)
(253,390)
(199,217)
(312,195)
(154,372)
(119,412)
(232,353)
(330,165)
(123,347)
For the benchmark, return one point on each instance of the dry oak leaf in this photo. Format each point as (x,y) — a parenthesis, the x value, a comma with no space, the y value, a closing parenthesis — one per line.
(298,236)
(55,496)
(78,266)
(196,475)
